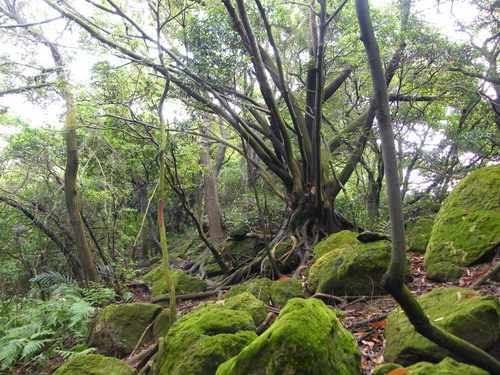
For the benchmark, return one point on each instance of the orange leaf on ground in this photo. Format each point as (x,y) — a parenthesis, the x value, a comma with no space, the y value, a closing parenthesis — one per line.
(398,371)
(472,295)
(283,278)
(378,324)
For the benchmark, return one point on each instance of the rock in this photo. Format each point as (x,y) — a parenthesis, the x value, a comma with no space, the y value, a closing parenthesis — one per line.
(458,311)
(287,258)
(275,293)
(118,328)
(306,338)
(337,240)
(240,232)
(353,270)
(94,364)
(238,251)
(284,290)
(466,228)
(184,284)
(418,234)
(444,272)
(201,340)
(447,366)
(367,237)
(250,304)
(162,324)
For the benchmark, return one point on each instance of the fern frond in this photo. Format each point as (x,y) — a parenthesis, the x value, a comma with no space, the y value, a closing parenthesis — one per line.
(33,347)
(69,354)
(52,278)
(10,352)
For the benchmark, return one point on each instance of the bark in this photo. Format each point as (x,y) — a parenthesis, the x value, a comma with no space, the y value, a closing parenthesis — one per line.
(394,279)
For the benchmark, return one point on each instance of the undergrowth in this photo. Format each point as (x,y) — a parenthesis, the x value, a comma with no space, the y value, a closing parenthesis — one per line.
(36,329)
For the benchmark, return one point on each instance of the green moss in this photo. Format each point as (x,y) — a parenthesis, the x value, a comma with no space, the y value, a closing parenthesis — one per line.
(341,239)
(184,284)
(94,364)
(283,290)
(306,338)
(386,368)
(248,303)
(260,288)
(356,270)
(240,231)
(447,366)
(419,234)
(239,250)
(118,328)
(444,271)
(198,342)
(162,324)
(472,319)
(466,227)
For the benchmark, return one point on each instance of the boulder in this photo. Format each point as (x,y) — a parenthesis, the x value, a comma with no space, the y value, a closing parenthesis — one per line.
(447,366)
(444,272)
(459,311)
(275,293)
(341,239)
(201,340)
(94,364)
(161,324)
(238,251)
(418,234)
(118,328)
(352,270)
(466,228)
(184,284)
(240,231)
(250,304)
(307,338)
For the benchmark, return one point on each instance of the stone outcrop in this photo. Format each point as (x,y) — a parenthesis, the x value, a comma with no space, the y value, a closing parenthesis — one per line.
(94,364)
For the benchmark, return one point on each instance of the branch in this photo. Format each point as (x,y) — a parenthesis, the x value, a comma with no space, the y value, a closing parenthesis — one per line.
(20,90)
(495,81)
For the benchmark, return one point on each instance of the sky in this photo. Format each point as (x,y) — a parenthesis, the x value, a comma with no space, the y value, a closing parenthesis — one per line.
(80,66)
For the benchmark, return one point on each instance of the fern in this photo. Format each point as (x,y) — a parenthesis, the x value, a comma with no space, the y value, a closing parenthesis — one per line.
(70,354)
(53,278)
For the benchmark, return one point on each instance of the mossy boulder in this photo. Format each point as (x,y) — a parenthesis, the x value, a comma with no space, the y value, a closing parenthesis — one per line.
(275,293)
(240,231)
(466,229)
(118,328)
(447,366)
(341,239)
(287,258)
(456,310)
(238,251)
(418,234)
(307,338)
(94,364)
(184,284)
(162,324)
(248,303)
(201,340)
(444,271)
(352,270)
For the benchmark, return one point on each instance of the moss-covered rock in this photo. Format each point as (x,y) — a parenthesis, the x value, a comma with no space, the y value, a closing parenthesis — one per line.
(260,288)
(248,303)
(386,368)
(287,258)
(240,231)
(198,342)
(447,366)
(458,311)
(467,227)
(444,271)
(236,251)
(118,328)
(341,239)
(353,270)
(284,290)
(94,364)
(184,284)
(418,234)
(275,293)
(162,324)
(306,339)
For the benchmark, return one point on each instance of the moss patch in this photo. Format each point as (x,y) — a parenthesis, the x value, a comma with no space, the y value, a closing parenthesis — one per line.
(444,271)
(306,338)
(341,239)
(284,290)
(466,228)
(118,328)
(386,368)
(260,288)
(184,284)
(447,366)
(418,234)
(162,324)
(94,364)
(198,342)
(248,303)
(472,319)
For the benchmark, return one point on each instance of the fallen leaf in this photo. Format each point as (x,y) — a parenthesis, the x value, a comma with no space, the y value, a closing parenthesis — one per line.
(283,278)
(438,319)
(398,371)
(378,324)
(472,295)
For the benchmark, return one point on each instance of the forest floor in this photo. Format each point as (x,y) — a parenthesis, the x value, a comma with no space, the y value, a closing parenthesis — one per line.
(365,315)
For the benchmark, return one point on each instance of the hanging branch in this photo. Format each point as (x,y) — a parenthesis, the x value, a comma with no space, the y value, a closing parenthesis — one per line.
(393,280)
